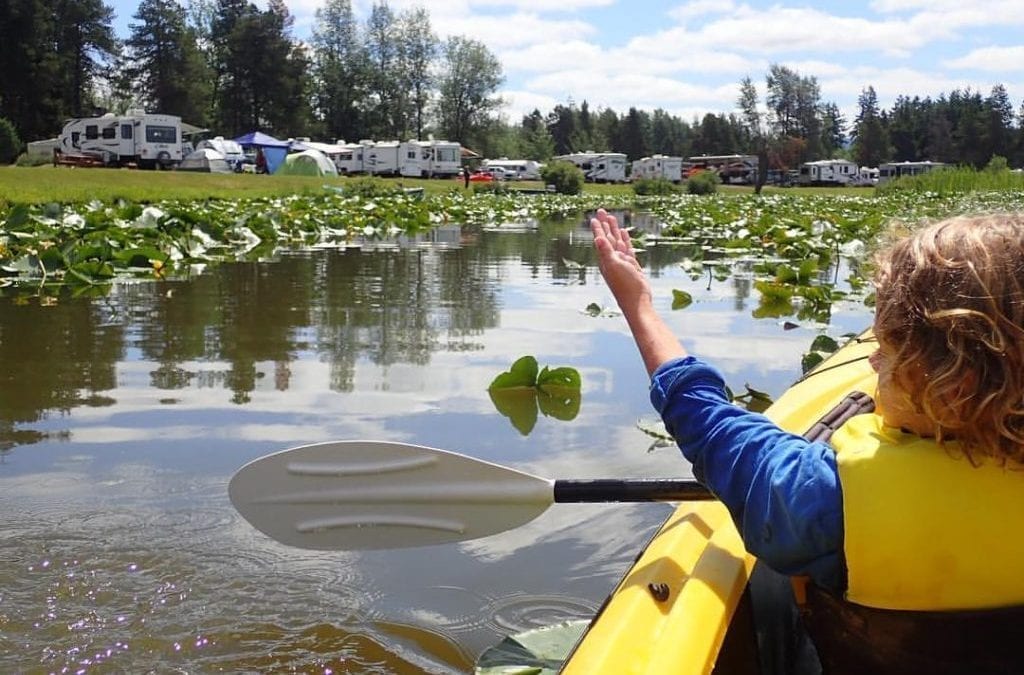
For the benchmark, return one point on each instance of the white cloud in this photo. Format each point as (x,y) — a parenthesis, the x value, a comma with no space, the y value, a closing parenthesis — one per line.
(990,58)
(701,8)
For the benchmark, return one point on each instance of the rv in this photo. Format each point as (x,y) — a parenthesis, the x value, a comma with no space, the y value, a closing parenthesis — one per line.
(523,169)
(427,159)
(599,167)
(894,170)
(829,172)
(381,158)
(352,157)
(147,140)
(733,169)
(658,166)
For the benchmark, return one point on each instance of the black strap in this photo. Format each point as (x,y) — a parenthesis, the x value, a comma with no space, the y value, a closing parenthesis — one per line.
(855,403)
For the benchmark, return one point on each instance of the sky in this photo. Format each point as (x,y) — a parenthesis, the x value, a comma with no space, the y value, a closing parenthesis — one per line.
(688,57)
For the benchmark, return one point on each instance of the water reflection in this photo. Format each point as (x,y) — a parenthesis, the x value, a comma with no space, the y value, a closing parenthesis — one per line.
(123,416)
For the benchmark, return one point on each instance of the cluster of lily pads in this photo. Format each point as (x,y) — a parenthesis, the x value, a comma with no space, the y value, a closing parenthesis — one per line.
(90,244)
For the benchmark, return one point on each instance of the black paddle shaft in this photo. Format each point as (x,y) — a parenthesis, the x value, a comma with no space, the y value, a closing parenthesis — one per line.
(618,490)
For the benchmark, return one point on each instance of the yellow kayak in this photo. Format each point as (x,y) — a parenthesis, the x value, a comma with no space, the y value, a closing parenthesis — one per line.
(673,611)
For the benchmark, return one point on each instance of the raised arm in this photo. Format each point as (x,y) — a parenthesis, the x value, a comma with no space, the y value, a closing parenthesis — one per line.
(628,283)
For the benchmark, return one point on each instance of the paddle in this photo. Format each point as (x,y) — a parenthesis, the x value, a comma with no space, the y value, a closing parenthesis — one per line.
(374,494)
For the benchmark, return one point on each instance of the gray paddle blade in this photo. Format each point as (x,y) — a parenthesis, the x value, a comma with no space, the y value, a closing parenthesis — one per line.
(350,495)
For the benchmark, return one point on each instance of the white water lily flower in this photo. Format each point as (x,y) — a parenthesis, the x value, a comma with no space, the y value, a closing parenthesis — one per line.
(245,238)
(150,217)
(74,220)
(369,230)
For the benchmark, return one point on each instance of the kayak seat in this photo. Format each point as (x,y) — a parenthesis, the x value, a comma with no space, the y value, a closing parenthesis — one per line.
(854,639)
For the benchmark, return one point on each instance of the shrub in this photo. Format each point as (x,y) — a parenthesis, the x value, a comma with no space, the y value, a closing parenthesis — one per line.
(654,186)
(996,164)
(703,183)
(565,176)
(10,144)
(494,187)
(25,159)
(371,188)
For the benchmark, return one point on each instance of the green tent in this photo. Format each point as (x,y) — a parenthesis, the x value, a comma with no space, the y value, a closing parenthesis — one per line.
(307,163)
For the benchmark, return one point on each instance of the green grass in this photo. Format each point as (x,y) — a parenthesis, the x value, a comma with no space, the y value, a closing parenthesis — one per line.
(45,184)
(957,180)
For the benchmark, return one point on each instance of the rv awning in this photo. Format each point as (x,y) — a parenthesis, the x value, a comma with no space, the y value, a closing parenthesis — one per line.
(469,154)
(191,129)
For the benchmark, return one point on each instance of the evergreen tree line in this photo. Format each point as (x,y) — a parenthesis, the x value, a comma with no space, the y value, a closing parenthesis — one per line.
(232,67)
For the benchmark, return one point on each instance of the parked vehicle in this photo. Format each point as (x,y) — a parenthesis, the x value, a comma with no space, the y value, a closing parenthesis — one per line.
(658,166)
(894,170)
(732,169)
(829,172)
(231,150)
(521,169)
(146,140)
(430,158)
(599,167)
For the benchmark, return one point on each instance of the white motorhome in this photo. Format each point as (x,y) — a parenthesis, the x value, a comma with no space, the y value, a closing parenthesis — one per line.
(658,166)
(829,172)
(894,170)
(599,167)
(523,169)
(427,159)
(147,140)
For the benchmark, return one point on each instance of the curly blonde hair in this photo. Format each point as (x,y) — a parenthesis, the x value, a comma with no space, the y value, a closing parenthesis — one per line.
(950,305)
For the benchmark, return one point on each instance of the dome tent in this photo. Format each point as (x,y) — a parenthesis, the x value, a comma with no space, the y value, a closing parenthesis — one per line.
(205,159)
(309,162)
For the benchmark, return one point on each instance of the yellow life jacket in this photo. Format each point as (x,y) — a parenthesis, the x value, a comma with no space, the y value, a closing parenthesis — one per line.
(924,529)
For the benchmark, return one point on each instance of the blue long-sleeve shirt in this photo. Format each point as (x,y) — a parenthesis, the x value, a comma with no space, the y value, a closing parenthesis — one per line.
(782,490)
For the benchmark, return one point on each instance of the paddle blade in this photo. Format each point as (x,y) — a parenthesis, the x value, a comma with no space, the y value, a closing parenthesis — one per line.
(349,495)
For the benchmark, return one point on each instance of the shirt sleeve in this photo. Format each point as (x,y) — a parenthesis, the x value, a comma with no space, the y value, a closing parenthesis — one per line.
(782,490)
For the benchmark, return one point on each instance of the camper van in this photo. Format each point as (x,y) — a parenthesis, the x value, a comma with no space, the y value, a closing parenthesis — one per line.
(522,169)
(599,167)
(147,140)
(658,166)
(829,172)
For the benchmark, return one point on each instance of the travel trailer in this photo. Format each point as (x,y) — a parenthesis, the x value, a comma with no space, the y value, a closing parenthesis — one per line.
(146,140)
(732,169)
(352,157)
(381,158)
(894,170)
(829,172)
(599,167)
(658,166)
(523,169)
(427,159)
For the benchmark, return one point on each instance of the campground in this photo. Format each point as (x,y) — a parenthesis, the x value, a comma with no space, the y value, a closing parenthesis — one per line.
(45,184)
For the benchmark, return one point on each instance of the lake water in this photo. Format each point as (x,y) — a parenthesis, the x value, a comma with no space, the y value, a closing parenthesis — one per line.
(123,417)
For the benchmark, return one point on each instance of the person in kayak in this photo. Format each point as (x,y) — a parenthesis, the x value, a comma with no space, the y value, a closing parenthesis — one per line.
(893,511)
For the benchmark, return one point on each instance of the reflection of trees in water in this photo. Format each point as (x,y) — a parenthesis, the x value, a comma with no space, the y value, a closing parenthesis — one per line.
(52,358)
(394,305)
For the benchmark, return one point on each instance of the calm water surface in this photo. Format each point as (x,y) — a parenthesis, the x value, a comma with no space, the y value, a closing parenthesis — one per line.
(122,418)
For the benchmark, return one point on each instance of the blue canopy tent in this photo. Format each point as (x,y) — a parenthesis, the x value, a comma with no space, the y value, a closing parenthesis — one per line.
(273,150)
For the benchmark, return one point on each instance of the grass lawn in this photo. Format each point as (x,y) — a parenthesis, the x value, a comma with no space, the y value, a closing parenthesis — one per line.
(43,184)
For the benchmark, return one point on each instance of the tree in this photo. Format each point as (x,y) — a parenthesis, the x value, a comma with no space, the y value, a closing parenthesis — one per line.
(833,130)
(999,118)
(635,134)
(84,42)
(535,141)
(339,70)
(757,133)
(387,102)
(165,63)
(471,75)
(418,47)
(871,142)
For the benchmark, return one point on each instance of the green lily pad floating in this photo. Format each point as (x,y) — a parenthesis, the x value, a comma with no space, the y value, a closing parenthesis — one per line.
(539,651)
(681,299)
(821,348)
(521,392)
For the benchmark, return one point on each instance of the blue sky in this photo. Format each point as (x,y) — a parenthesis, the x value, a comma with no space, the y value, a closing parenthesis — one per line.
(689,57)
